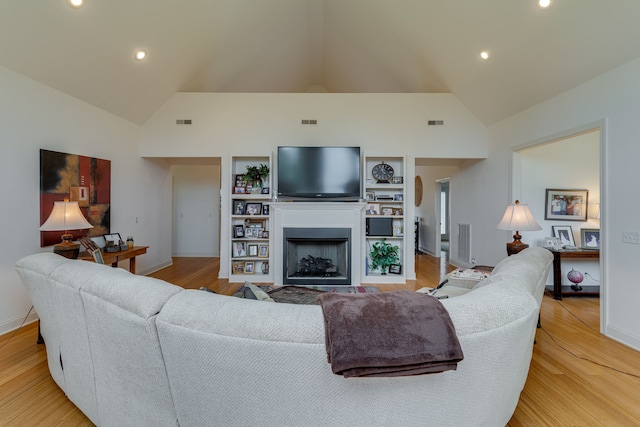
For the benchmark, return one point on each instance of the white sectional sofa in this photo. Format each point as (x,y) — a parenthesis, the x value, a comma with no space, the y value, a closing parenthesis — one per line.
(136,351)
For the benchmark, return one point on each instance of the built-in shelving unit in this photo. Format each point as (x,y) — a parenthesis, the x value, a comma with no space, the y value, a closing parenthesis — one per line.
(385,204)
(250,223)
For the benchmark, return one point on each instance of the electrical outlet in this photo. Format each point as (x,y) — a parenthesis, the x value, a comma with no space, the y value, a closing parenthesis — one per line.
(632,237)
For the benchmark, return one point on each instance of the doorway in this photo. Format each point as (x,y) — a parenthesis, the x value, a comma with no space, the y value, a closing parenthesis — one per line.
(444,215)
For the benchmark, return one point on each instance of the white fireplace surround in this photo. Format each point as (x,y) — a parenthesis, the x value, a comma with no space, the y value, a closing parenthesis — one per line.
(318,215)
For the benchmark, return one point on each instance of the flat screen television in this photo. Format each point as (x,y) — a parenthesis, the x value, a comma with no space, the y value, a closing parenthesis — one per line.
(319,173)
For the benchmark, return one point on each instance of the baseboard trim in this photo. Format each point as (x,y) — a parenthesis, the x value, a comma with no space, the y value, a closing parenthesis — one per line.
(17,322)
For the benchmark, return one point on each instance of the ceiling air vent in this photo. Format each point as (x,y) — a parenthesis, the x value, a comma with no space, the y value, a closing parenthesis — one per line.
(183,121)
(309,122)
(435,122)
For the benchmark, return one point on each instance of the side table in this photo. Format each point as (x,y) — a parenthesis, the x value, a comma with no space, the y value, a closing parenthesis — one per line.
(558,255)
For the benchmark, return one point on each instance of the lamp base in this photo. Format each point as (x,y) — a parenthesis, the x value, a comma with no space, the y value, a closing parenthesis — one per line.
(67,248)
(516,246)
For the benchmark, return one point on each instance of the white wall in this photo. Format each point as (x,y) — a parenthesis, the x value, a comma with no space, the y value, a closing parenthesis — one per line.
(33,116)
(612,99)
(196,210)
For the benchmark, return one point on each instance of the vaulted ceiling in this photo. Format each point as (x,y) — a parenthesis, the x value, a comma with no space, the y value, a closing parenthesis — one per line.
(336,46)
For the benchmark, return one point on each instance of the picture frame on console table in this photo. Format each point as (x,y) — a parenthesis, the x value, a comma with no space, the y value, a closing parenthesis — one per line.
(565,234)
(590,238)
(566,205)
(395,269)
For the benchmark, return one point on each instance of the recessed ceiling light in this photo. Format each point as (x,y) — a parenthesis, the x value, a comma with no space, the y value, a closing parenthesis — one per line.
(544,3)
(484,54)
(76,4)
(140,55)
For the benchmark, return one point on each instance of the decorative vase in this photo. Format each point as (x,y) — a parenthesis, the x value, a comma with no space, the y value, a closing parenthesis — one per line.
(576,278)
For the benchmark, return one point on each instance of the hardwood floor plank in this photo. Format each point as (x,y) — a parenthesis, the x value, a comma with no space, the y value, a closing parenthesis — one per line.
(567,383)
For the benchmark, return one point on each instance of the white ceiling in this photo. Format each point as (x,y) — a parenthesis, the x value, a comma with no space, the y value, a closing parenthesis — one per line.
(355,46)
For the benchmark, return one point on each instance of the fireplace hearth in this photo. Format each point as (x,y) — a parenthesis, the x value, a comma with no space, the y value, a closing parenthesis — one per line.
(316,256)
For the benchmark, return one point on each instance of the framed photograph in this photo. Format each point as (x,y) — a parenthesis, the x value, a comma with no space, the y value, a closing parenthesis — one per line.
(566,205)
(239,190)
(397,197)
(237,267)
(239,207)
(113,237)
(239,249)
(238,231)
(564,233)
(397,180)
(253,250)
(397,211)
(253,208)
(590,238)
(239,181)
(373,209)
(386,210)
(397,230)
(552,243)
(255,223)
(248,267)
(265,234)
(99,241)
(265,209)
(250,232)
(263,251)
(395,269)
(370,195)
(265,190)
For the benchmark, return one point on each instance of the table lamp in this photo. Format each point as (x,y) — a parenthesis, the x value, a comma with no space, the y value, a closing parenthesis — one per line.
(66,216)
(517,217)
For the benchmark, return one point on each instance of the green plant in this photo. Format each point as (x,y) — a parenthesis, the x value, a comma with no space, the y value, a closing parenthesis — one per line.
(256,173)
(382,255)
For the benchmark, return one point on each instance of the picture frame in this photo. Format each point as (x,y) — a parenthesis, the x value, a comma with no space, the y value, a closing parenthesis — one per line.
(566,205)
(397,180)
(239,249)
(253,208)
(386,211)
(370,196)
(395,269)
(397,230)
(373,209)
(255,223)
(237,267)
(397,211)
(250,232)
(238,231)
(239,190)
(590,238)
(263,251)
(239,207)
(240,182)
(265,190)
(252,250)
(565,234)
(265,209)
(398,197)
(265,234)
(113,237)
(249,267)
(552,243)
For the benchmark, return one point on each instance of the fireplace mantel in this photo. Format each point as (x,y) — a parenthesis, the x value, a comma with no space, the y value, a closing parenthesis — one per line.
(320,215)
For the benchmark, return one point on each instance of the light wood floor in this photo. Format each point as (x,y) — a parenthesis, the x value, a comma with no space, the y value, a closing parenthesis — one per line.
(577,378)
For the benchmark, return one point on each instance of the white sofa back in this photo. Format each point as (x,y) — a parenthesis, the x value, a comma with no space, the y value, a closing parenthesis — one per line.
(137,351)
(98,324)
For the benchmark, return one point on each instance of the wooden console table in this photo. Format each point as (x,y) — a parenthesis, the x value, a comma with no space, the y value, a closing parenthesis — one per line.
(114,258)
(558,255)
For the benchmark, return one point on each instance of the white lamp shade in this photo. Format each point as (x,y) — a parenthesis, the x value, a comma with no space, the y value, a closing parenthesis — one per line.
(65,216)
(518,217)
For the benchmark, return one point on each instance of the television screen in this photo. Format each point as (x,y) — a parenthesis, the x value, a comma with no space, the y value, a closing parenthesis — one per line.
(319,172)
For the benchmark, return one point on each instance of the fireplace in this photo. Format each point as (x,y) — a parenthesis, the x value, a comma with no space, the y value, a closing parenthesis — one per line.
(316,256)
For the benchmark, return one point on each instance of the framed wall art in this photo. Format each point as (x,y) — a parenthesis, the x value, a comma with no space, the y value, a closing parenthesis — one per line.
(590,238)
(566,205)
(565,234)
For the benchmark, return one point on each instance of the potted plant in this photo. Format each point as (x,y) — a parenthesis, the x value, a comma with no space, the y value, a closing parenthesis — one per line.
(382,255)
(255,175)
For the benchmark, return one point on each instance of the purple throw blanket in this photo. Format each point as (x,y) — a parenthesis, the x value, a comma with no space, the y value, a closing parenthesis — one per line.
(388,334)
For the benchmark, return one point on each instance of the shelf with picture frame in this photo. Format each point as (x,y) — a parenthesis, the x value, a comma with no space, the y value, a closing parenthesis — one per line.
(385,198)
(249,220)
